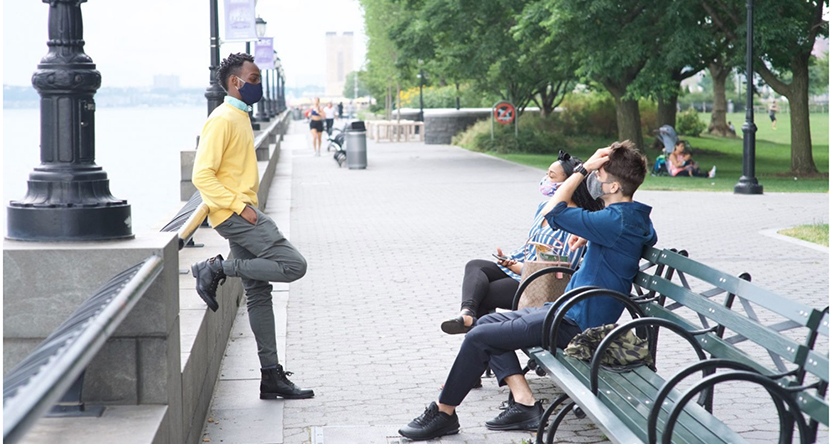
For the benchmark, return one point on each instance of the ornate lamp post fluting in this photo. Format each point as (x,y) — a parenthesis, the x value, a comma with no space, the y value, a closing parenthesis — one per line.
(748,184)
(421,78)
(68,196)
(214,94)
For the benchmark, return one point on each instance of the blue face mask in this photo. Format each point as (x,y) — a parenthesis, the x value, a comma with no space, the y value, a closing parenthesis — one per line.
(250,93)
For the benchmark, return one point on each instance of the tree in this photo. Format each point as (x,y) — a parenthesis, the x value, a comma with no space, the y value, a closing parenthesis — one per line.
(612,42)
(362,85)
(785,32)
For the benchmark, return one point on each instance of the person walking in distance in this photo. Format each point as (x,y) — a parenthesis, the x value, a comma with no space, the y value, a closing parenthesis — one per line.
(330,113)
(773,108)
(315,123)
(226,175)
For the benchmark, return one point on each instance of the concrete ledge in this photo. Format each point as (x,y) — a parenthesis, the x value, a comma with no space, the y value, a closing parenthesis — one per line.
(137,424)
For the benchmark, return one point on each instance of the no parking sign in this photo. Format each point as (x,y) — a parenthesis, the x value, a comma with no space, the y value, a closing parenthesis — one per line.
(504,112)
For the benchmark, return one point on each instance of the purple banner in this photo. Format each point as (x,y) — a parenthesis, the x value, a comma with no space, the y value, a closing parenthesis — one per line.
(240,21)
(264,53)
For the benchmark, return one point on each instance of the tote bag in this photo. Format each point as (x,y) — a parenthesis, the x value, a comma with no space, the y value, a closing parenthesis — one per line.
(549,287)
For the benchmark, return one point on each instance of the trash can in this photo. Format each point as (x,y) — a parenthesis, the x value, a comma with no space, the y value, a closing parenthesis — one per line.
(296,114)
(356,145)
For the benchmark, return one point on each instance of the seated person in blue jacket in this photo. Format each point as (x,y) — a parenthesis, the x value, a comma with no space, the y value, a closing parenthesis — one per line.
(615,238)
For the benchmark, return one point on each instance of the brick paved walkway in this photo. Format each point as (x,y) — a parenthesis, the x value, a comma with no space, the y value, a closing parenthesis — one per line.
(387,246)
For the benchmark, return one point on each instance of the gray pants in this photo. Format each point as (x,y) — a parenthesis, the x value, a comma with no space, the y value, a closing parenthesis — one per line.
(261,254)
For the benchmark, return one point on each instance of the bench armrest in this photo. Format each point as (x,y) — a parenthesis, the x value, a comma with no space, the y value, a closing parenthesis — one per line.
(708,367)
(779,396)
(552,311)
(572,300)
(539,273)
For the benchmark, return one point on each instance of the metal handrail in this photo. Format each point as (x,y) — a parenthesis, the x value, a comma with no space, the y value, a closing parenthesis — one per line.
(192,224)
(38,382)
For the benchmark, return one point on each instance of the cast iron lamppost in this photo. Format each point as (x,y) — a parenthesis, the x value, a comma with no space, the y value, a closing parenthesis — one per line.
(261,115)
(278,83)
(748,184)
(282,89)
(214,94)
(421,77)
(68,196)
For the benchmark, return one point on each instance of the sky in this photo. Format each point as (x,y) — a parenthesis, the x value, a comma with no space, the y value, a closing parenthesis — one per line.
(131,41)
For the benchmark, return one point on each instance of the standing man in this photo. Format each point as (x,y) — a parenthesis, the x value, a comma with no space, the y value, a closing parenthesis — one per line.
(225,173)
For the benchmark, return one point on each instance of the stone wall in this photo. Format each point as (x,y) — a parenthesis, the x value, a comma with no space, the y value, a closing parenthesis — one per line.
(441,125)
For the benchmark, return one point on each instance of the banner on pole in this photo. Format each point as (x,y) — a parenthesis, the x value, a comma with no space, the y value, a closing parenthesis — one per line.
(264,53)
(240,21)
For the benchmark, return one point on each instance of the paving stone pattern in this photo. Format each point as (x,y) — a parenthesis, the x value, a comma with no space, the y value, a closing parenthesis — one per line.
(387,246)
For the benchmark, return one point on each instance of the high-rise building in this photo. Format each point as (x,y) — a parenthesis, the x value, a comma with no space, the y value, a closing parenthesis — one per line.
(339,61)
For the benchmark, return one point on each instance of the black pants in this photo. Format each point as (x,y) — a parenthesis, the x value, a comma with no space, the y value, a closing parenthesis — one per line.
(329,125)
(486,287)
(494,341)
(694,173)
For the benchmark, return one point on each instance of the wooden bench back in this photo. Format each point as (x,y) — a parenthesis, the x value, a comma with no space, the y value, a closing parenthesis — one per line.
(730,327)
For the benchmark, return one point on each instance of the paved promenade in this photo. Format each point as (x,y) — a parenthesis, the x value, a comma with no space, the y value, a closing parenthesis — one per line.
(386,248)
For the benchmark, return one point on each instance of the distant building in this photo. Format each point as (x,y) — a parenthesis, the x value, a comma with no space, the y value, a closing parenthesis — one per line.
(339,61)
(165,82)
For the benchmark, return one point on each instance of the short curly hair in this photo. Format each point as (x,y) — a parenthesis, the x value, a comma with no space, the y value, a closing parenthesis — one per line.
(231,65)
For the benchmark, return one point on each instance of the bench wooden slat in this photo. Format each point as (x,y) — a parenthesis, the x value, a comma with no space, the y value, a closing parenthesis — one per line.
(625,394)
(814,406)
(787,308)
(817,364)
(613,427)
(760,334)
(716,346)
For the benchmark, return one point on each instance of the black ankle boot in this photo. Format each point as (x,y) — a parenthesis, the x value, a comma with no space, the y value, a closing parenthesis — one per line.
(275,384)
(209,274)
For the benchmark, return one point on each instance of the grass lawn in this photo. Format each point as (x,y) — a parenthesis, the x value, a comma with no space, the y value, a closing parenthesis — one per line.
(772,153)
(816,233)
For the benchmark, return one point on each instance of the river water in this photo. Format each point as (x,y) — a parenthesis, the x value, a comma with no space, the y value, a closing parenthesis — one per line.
(138,147)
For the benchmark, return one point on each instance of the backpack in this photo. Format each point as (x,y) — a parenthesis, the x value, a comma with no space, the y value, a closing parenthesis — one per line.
(660,168)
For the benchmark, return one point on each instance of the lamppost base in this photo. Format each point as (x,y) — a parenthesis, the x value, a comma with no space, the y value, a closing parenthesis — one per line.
(61,223)
(748,185)
(255,126)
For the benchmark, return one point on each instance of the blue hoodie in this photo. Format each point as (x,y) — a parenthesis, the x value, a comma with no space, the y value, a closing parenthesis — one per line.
(616,237)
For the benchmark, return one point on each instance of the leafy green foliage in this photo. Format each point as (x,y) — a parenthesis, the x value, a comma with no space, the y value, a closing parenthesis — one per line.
(689,123)
(536,136)
(362,84)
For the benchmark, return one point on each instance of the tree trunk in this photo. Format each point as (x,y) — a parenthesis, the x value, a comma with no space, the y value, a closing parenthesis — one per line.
(667,111)
(717,125)
(801,154)
(628,122)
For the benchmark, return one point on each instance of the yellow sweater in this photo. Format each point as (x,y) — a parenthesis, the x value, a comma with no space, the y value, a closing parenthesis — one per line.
(225,170)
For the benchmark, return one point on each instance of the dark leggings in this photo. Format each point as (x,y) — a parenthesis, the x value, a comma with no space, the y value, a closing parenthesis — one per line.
(695,172)
(486,288)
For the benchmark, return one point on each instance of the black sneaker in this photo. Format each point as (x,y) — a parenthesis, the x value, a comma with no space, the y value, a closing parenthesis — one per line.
(275,384)
(517,417)
(209,274)
(432,424)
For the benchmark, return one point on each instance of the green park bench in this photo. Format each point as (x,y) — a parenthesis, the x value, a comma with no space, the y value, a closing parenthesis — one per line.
(638,405)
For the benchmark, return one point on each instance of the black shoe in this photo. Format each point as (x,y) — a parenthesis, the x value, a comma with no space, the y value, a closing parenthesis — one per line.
(432,424)
(275,384)
(456,325)
(209,274)
(517,417)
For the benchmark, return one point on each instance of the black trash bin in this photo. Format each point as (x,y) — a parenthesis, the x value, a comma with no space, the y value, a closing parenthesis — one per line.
(356,145)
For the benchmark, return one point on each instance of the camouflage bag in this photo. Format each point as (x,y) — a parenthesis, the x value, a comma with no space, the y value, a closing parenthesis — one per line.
(628,350)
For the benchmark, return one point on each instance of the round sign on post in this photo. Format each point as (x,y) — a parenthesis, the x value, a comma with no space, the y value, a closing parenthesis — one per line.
(504,113)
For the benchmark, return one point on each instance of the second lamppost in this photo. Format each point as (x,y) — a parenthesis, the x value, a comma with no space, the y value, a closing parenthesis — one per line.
(261,115)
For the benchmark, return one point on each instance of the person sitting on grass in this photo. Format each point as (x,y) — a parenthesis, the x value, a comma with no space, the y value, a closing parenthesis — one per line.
(615,237)
(682,165)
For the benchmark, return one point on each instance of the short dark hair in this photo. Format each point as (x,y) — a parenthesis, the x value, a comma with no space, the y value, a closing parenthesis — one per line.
(628,166)
(581,196)
(231,65)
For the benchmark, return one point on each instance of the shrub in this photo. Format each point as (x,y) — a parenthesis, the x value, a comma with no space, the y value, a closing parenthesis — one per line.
(587,114)
(689,123)
(536,136)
